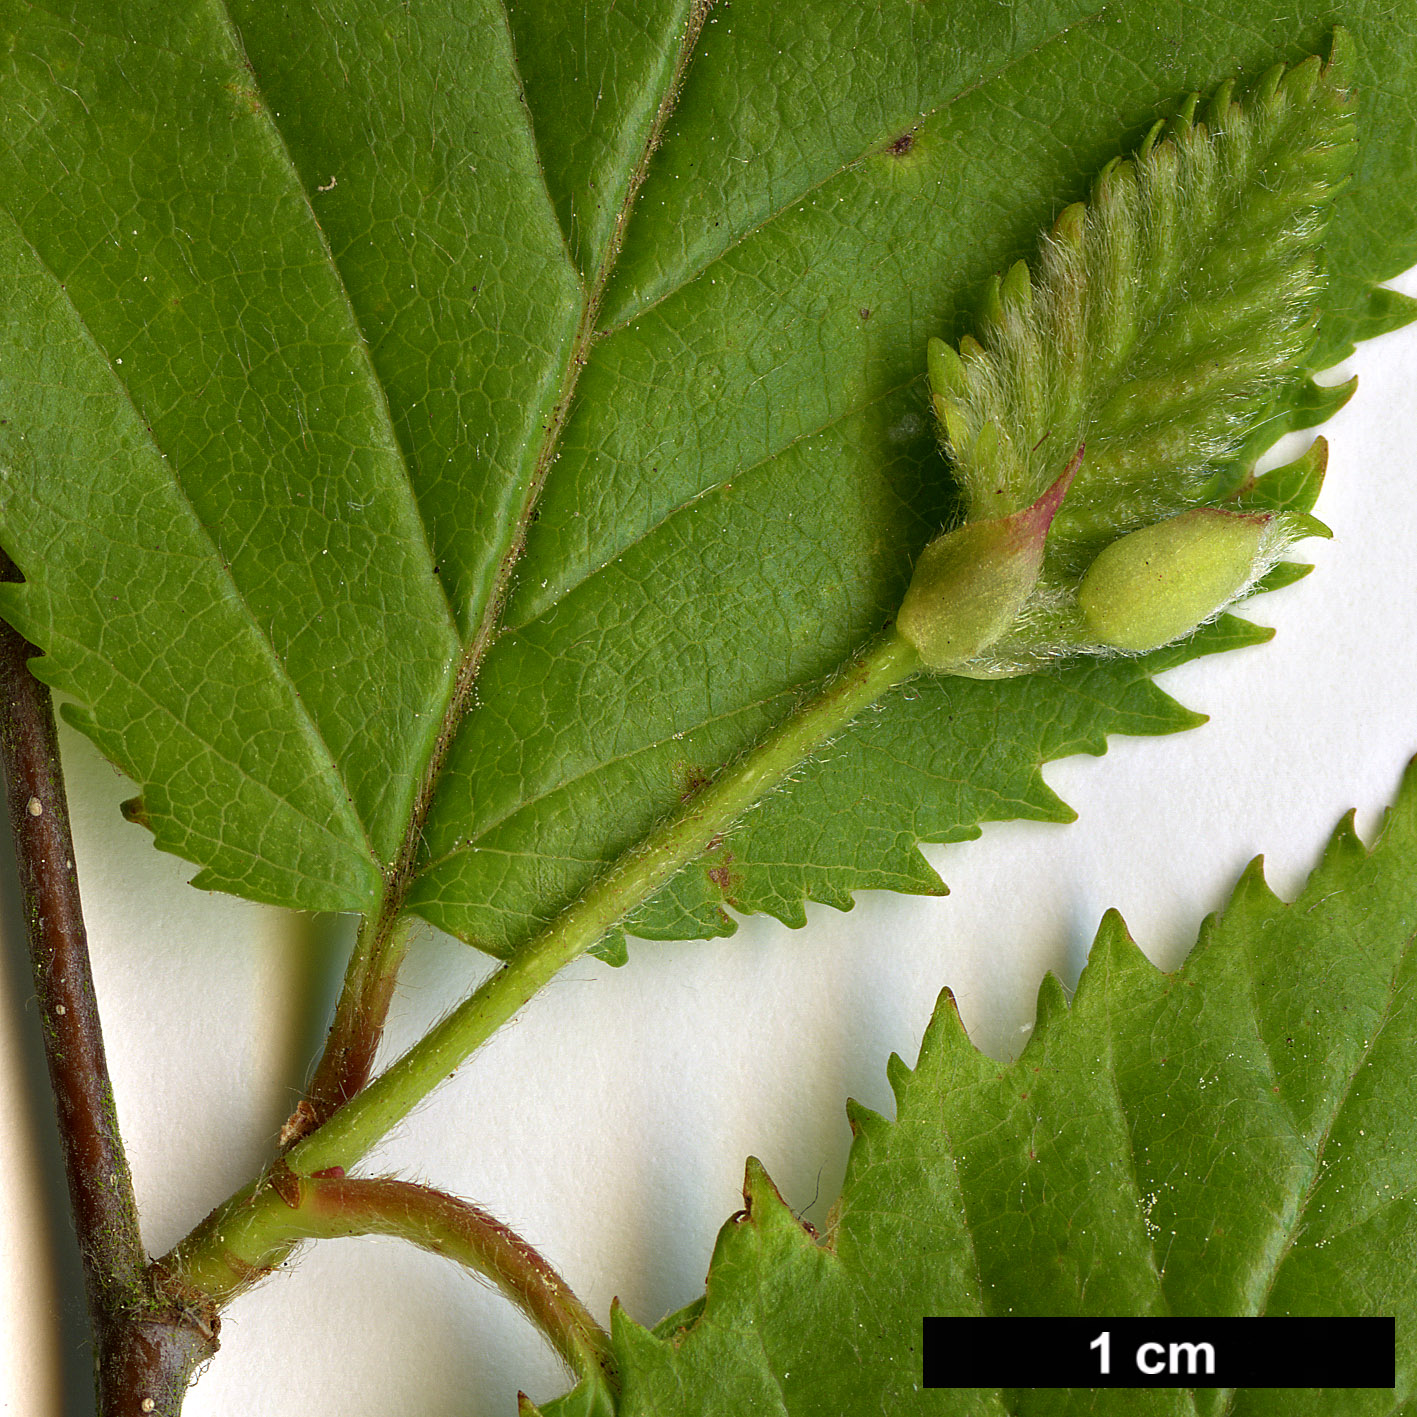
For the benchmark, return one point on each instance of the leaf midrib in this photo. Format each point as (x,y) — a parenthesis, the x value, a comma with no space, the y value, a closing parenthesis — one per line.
(622,320)
(1316,1167)
(222,14)
(405,868)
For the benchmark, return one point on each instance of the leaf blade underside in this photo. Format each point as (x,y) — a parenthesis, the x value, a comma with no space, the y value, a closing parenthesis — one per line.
(362,342)
(1230,1139)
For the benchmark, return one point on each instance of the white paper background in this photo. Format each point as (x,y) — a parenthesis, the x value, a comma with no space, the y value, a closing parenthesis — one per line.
(609,1124)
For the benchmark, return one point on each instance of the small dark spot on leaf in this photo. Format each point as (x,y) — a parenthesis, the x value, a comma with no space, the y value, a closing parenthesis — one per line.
(692,780)
(902,145)
(865,313)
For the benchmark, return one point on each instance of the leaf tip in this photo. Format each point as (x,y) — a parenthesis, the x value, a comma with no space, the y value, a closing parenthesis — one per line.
(1112,946)
(945,1030)
(758,1187)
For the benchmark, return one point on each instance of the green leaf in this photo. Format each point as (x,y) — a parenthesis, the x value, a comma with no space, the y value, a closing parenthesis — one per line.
(1232,1139)
(1165,315)
(435,438)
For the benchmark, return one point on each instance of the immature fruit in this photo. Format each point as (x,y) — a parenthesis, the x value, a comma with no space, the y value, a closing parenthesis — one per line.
(971,583)
(1159,583)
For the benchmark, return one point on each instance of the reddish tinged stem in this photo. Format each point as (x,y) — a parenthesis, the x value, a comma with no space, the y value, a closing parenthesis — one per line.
(105,1212)
(141,1345)
(358,1025)
(325,1207)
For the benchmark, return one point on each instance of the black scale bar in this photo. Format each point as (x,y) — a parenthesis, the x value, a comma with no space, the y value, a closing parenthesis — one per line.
(1164,1352)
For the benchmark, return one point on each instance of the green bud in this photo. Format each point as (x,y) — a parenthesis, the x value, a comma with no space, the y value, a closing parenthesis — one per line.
(971,583)
(1158,584)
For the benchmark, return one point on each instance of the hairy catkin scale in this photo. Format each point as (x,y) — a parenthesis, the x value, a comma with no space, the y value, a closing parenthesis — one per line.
(1165,314)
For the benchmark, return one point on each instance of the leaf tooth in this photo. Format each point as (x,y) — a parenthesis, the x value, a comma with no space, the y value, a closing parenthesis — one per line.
(1186,114)
(1294,487)
(898,1075)
(1342,59)
(1065,277)
(947,373)
(1268,87)
(1345,843)
(1298,84)
(1115,965)
(1052,1005)
(1222,108)
(944,1034)
(957,431)
(865,1121)
(1398,824)
(635,1345)
(1100,182)
(1263,302)
(1198,175)
(1018,289)
(1069,225)
(1159,203)
(1327,164)
(764,1207)
(991,306)
(987,450)
(970,348)
(1264,236)
(1252,892)
(1153,137)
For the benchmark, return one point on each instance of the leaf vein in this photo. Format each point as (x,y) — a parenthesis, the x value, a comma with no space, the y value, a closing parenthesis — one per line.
(277,666)
(802,193)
